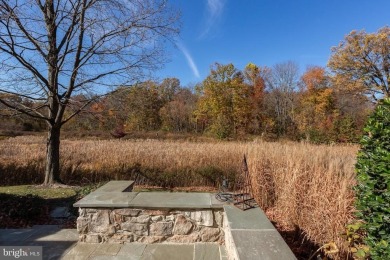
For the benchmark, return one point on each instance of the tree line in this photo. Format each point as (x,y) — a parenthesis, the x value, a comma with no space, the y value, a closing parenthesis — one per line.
(271,102)
(231,103)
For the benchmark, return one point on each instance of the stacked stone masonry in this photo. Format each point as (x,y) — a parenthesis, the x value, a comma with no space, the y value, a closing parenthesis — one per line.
(125,225)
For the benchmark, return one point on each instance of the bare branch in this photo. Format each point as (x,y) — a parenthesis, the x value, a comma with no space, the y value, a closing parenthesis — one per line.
(77,111)
(25,110)
(27,35)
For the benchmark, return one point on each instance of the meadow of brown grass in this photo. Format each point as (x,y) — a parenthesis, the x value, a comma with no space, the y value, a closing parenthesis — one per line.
(298,184)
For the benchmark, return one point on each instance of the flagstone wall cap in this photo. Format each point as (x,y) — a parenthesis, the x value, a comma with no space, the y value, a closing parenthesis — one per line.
(114,195)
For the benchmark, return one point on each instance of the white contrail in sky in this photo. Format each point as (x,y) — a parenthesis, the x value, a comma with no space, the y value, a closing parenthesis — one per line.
(189,59)
(215,7)
(214,11)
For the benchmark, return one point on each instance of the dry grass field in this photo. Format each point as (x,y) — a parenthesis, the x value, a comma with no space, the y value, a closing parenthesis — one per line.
(299,185)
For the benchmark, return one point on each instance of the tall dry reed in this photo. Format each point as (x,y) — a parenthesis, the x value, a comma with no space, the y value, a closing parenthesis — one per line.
(174,163)
(307,186)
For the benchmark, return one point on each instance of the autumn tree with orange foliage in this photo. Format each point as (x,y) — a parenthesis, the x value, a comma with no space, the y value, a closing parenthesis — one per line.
(254,77)
(316,112)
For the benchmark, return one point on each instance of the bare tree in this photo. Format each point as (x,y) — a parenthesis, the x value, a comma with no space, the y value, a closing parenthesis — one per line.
(52,50)
(282,84)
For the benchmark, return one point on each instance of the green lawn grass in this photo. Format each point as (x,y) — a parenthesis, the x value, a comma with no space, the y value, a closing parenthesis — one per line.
(42,192)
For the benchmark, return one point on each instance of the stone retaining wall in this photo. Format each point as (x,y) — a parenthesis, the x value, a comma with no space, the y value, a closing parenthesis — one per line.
(108,225)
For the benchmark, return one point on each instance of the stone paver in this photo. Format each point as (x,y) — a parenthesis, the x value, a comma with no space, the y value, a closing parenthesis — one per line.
(106,199)
(176,200)
(82,250)
(38,233)
(116,186)
(250,235)
(11,235)
(121,257)
(59,235)
(112,194)
(206,251)
(250,219)
(54,249)
(266,245)
(168,251)
(135,249)
(76,257)
(106,250)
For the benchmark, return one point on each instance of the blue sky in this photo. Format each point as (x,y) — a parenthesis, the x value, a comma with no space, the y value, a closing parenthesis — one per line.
(265,32)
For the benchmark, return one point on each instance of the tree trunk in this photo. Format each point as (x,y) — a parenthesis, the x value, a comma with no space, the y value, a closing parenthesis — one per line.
(52,170)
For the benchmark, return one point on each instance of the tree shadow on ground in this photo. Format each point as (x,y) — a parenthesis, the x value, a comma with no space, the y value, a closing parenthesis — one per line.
(23,211)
